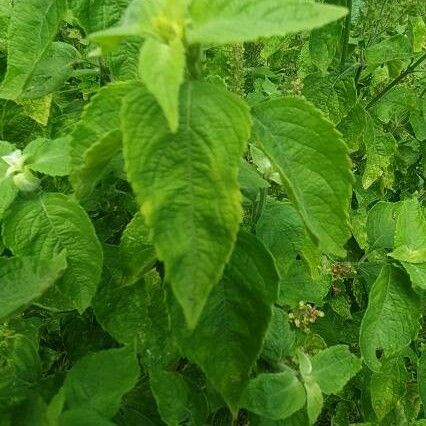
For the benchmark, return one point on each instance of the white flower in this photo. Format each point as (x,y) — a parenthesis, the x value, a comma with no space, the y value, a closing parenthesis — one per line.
(15,160)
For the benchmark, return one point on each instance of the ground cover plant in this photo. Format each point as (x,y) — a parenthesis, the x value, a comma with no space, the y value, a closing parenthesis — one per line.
(212,212)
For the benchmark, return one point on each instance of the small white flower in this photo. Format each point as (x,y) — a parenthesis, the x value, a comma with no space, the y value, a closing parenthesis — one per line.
(15,160)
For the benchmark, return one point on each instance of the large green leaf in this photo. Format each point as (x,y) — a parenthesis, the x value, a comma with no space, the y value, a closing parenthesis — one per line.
(178,399)
(235,318)
(46,225)
(187,184)
(23,280)
(162,67)
(392,317)
(274,395)
(96,140)
(25,49)
(99,381)
(388,386)
(314,165)
(224,21)
(333,367)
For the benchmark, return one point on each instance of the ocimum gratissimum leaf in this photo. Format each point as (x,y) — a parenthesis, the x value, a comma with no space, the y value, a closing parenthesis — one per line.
(314,164)
(187,183)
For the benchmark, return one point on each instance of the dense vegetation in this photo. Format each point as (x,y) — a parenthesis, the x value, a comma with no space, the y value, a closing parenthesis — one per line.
(212,212)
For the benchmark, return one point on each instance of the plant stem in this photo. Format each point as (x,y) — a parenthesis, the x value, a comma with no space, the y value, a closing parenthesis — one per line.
(346,33)
(397,80)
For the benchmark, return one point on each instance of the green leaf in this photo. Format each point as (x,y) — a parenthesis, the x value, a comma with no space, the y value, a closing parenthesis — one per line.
(53,69)
(381,225)
(280,338)
(99,381)
(410,235)
(236,318)
(25,50)
(8,189)
(390,49)
(391,320)
(274,395)
(24,280)
(179,400)
(95,15)
(222,21)
(314,398)
(135,314)
(334,94)
(388,386)
(298,285)
(48,156)
(282,231)
(320,186)
(334,367)
(162,67)
(187,184)
(380,150)
(96,139)
(136,250)
(46,225)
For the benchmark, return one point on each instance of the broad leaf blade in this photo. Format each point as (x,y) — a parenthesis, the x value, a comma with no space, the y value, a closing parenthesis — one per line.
(392,317)
(333,367)
(24,280)
(187,184)
(275,396)
(225,21)
(99,381)
(314,165)
(46,225)
(236,318)
(25,51)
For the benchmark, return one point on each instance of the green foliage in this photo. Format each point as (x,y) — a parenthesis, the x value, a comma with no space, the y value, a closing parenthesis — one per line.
(212,212)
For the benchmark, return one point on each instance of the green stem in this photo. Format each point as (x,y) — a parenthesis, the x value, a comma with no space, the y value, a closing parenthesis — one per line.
(193,62)
(396,81)
(346,33)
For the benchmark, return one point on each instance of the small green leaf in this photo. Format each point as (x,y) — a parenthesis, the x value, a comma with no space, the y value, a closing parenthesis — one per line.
(333,367)
(275,396)
(43,227)
(25,279)
(222,21)
(162,68)
(235,318)
(179,400)
(8,189)
(48,156)
(391,320)
(99,381)
(291,129)
(187,184)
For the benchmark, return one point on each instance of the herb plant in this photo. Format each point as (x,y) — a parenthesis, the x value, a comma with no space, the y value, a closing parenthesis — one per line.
(212,212)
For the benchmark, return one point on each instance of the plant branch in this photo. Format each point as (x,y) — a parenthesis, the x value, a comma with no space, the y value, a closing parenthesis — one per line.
(396,81)
(346,33)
